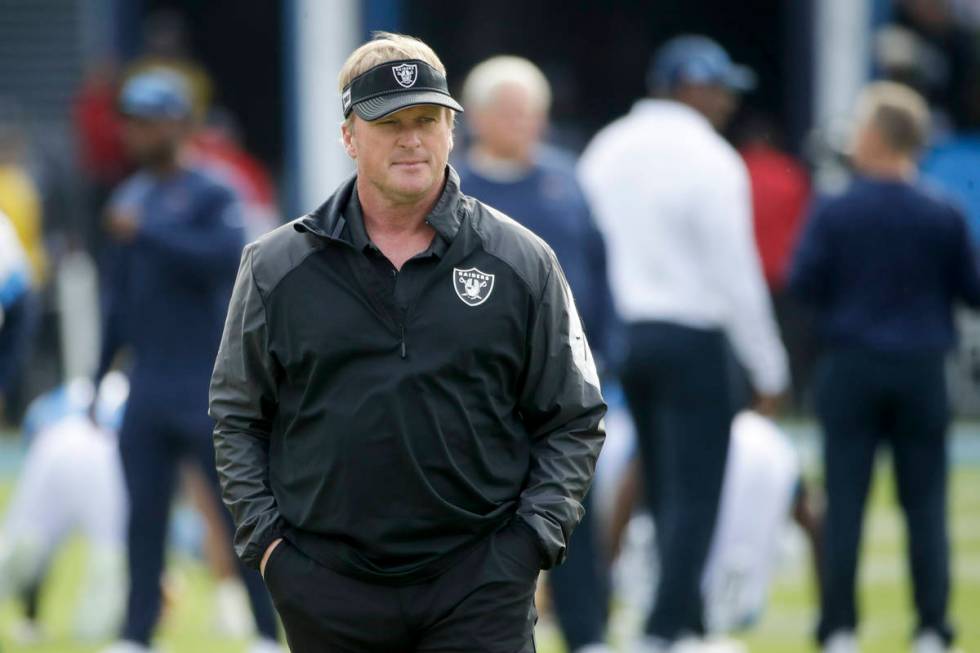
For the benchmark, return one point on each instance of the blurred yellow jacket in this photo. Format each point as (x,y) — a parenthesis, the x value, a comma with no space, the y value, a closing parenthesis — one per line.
(20,200)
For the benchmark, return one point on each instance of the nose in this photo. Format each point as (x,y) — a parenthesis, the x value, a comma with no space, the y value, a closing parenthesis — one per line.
(410,137)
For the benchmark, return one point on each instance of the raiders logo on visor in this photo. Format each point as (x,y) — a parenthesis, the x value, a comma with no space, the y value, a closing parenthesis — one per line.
(406,74)
(396,85)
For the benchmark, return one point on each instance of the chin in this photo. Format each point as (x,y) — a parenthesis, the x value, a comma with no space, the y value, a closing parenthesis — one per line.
(413,185)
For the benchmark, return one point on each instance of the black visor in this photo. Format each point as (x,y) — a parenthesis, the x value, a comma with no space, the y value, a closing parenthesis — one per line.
(395,85)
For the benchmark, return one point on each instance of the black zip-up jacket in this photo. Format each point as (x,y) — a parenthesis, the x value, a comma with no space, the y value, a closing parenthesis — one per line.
(385,428)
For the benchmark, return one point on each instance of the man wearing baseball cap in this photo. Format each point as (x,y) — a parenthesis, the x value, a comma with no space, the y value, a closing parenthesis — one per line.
(408,413)
(672,197)
(177,234)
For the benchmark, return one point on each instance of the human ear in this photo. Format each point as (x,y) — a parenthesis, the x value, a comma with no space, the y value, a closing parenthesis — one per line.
(347,137)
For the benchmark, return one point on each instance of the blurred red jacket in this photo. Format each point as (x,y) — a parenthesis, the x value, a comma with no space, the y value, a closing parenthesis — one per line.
(780,194)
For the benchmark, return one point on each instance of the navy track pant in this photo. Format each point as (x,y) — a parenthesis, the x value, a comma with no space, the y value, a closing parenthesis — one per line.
(677,383)
(866,399)
(153,441)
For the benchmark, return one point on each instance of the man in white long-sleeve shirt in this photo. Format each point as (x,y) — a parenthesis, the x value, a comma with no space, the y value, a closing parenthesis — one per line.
(673,200)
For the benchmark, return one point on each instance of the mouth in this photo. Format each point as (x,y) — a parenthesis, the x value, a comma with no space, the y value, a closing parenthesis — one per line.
(409,164)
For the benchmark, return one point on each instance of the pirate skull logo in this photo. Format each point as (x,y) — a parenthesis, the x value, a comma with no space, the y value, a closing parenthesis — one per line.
(406,74)
(472,286)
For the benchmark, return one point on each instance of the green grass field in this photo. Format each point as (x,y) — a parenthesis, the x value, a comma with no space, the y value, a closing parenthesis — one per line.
(786,627)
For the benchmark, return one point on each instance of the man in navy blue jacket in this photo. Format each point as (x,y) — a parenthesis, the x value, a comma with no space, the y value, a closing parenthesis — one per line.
(883,265)
(178,237)
(508,168)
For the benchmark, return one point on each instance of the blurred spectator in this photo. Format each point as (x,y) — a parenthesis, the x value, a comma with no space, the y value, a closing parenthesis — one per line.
(217,145)
(19,196)
(761,489)
(763,485)
(882,264)
(21,201)
(98,133)
(953,164)
(165,46)
(780,194)
(967,12)
(179,237)
(926,48)
(536,184)
(673,200)
(16,308)
(71,482)
(507,167)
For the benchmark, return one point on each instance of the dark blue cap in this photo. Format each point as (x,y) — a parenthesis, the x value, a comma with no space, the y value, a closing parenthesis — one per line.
(696,60)
(155,94)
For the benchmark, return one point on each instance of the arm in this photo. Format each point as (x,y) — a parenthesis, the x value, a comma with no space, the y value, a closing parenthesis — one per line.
(562,409)
(205,246)
(732,256)
(809,274)
(243,404)
(606,328)
(114,308)
(965,275)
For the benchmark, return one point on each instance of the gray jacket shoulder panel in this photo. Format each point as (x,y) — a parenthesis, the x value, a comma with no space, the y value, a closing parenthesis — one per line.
(521,249)
(279,252)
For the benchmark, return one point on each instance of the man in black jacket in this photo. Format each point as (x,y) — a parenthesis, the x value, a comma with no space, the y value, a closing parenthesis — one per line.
(408,414)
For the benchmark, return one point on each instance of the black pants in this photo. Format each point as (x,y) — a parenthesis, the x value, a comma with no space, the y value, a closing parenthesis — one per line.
(865,399)
(676,381)
(484,604)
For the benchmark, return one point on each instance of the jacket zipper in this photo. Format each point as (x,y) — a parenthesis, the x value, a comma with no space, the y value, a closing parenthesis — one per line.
(317,232)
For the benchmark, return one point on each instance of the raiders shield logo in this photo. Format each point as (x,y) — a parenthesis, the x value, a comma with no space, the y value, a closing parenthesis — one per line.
(472,286)
(406,74)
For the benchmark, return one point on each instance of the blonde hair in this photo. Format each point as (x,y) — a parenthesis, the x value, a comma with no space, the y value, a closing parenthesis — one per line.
(898,113)
(488,76)
(384,46)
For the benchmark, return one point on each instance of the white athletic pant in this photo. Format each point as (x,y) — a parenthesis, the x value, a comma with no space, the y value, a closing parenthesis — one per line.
(71,482)
(761,476)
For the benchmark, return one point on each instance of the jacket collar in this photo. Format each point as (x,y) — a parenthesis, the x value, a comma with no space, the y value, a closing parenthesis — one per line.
(328,220)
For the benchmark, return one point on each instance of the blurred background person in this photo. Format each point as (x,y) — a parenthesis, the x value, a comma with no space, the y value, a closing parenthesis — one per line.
(508,167)
(166,46)
(952,163)
(20,201)
(673,199)
(71,483)
(925,47)
(102,160)
(179,236)
(217,145)
(762,477)
(883,265)
(20,198)
(780,188)
(16,307)
(763,487)
(16,324)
